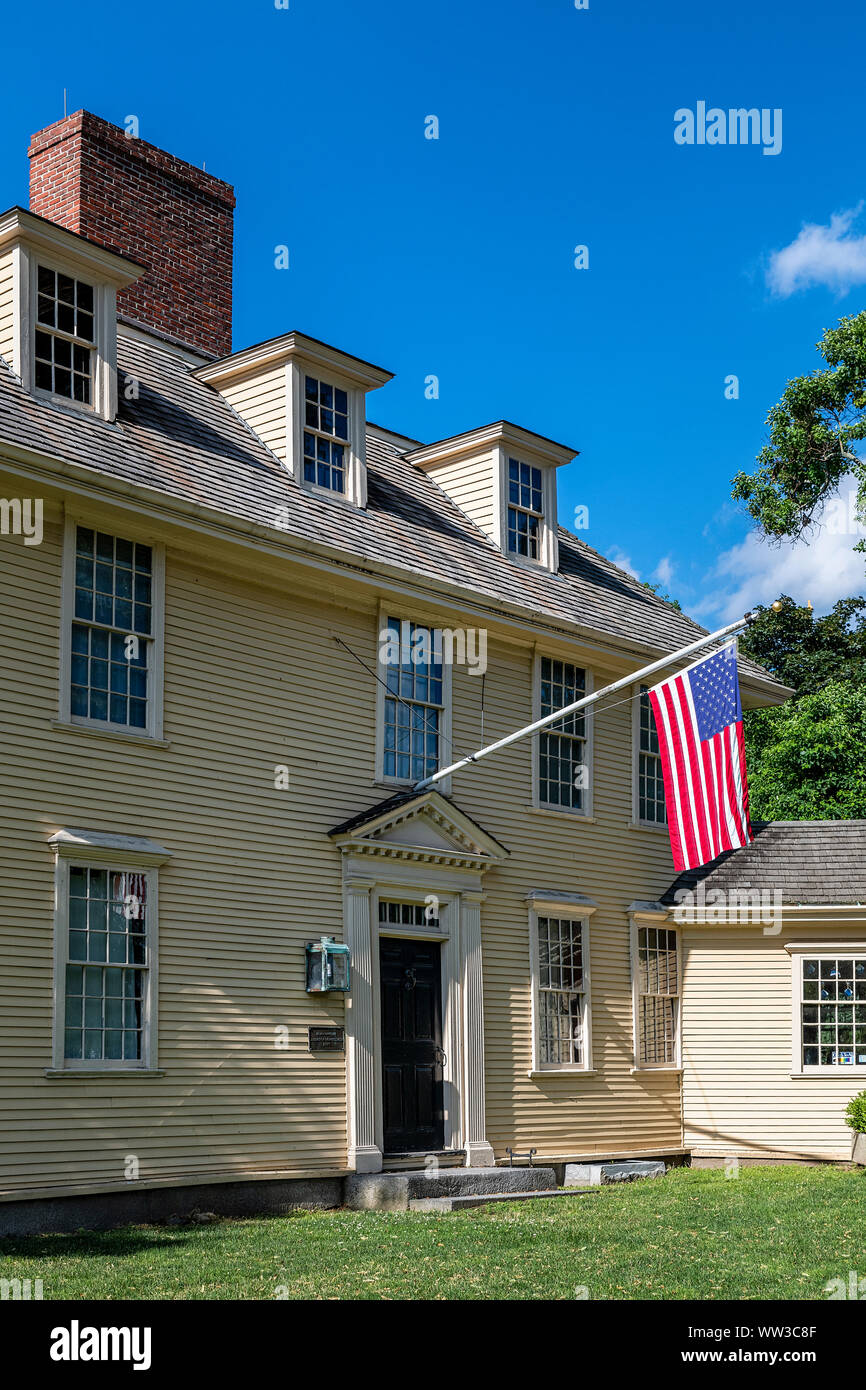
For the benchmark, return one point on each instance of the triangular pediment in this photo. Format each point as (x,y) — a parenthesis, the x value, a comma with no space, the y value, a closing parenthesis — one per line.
(424,825)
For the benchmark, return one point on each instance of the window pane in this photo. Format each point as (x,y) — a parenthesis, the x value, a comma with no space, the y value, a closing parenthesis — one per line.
(829,1037)
(658,995)
(98,1026)
(411,671)
(103,599)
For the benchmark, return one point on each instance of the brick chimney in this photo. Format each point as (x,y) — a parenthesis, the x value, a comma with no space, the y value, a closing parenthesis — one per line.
(90,177)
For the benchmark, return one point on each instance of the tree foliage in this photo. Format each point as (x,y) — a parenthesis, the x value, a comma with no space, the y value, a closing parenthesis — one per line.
(804,651)
(807,758)
(812,431)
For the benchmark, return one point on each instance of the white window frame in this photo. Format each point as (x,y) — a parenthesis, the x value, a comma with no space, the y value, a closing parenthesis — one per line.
(396,610)
(799,951)
(297,370)
(104,380)
(584,812)
(661,922)
(548,545)
(155,643)
(635,769)
(76,849)
(578,910)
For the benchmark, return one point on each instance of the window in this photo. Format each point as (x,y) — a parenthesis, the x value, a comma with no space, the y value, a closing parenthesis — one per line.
(561,992)
(657,1007)
(832,1009)
(403,915)
(65,340)
(650,781)
(525,509)
(106,972)
(562,747)
(413,701)
(112,630)
(326,434)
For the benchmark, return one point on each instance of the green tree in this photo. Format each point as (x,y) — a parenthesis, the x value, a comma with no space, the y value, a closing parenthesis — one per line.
(804,651)
(807,758)
(812,430)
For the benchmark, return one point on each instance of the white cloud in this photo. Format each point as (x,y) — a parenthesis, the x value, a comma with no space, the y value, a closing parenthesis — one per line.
(620,558)
(828,256)
(821,571)
(664,571)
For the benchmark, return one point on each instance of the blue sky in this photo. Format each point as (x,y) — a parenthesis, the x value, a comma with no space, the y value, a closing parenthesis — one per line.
(455,257)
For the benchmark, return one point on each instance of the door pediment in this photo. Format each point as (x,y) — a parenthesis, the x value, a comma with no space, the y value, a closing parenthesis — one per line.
(424,826)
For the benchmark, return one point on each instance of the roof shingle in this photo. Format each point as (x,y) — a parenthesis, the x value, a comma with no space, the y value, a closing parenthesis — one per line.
(181,438)
(811,862)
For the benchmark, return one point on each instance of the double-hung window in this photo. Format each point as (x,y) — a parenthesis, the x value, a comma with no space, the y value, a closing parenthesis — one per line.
(64,336)
(326,434)
(414,700)
(561,992)
(650,781)
(112,631)
(562,750)
(525,509)
(107,964)
(657,997)
(105,950)
(831,1005)
(106,953)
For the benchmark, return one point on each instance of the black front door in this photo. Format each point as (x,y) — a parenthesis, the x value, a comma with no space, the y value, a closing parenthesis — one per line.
(412,1056)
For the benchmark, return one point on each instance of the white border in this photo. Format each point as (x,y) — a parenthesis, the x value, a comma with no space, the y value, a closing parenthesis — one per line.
(155,645)
(660,920)
(585,812)
(445,748)
(798,951)
(104,379)
(123,862)
(544,906)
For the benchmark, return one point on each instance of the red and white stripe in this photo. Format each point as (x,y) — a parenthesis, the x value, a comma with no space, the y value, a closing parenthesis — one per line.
(706,792)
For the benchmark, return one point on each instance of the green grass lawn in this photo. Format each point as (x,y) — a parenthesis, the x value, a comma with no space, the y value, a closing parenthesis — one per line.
(778,1233)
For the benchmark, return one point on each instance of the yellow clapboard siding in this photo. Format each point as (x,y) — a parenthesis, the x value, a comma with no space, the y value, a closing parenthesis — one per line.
(255,679)
(739,1095)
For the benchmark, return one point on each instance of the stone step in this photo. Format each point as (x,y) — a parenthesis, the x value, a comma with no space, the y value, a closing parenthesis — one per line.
(596,1174)
(394,1191)
(434,1204)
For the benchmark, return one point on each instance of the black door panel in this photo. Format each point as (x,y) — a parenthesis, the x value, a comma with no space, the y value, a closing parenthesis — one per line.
(412,1057)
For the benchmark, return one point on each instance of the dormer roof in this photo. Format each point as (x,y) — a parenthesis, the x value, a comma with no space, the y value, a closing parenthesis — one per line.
(502,432)
(17,224)
(276,351)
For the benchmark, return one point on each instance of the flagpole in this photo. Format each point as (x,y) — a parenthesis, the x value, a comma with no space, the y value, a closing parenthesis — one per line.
(596,695)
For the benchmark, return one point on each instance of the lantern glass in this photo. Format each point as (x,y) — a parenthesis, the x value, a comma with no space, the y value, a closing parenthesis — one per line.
(328,966)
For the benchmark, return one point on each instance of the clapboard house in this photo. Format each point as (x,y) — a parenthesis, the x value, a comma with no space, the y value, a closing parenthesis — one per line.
(208,762)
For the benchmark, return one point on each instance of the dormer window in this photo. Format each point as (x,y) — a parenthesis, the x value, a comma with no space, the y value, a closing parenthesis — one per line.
(525,509)
(58,312)
(504,479)
(326,434)
(306,402)
(65,337)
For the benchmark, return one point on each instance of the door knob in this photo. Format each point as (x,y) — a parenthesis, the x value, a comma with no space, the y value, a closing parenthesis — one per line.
(440,1055)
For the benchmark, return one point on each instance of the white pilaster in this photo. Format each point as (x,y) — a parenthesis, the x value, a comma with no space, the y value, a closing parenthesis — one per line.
(365,1156)
(479,1154)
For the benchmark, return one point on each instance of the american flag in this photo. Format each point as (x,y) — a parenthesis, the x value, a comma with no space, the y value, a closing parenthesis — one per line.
(699,722)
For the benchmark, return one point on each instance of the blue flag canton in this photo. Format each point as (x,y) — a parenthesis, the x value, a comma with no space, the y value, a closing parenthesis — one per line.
(716,693)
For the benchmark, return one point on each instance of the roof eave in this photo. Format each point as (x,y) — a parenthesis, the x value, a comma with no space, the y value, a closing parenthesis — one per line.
(499,432)
(19,225)
(283,349)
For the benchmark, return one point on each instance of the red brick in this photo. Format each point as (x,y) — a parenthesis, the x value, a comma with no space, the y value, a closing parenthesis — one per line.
(133,198)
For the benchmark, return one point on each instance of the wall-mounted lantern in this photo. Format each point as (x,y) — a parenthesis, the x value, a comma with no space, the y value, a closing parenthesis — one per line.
(328,966)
